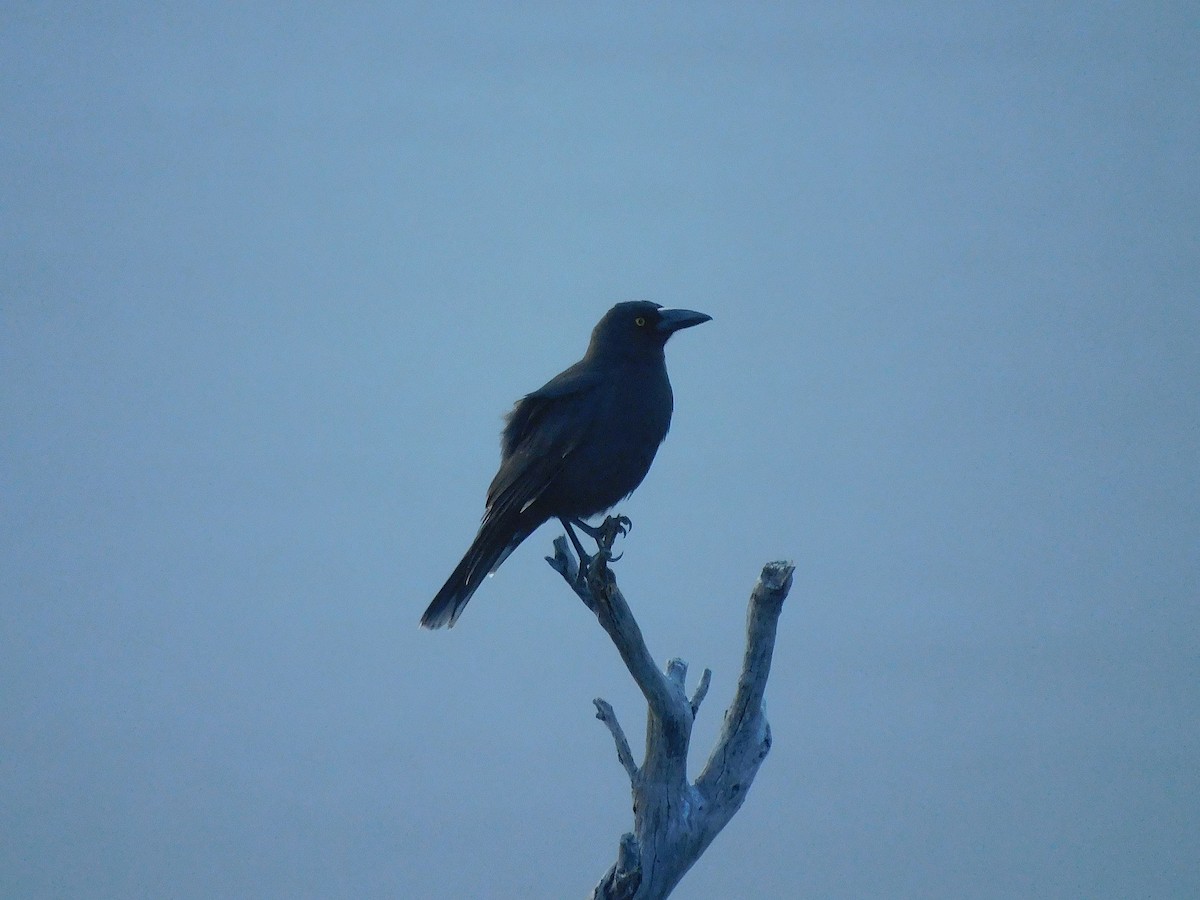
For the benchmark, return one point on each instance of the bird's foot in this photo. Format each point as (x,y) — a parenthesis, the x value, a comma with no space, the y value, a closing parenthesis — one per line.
(610,529)
(616,525)
(605,534)
(590,578)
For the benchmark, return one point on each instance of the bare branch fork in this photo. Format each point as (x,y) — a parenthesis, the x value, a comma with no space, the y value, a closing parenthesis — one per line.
(675,820)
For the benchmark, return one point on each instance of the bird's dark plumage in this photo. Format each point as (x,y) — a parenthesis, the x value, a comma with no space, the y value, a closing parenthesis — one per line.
(577,445)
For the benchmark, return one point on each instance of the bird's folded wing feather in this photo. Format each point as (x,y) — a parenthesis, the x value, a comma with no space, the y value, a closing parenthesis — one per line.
(542,429)
(534,408)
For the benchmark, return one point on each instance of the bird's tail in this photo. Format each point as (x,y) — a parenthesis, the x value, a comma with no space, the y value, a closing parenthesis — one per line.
(491,547)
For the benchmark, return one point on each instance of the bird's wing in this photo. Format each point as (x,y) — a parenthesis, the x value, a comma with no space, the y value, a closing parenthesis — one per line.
(532,409)
(543,428)
(541,431)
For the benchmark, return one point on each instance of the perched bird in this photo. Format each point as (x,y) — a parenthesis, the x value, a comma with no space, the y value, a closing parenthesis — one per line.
(577,445)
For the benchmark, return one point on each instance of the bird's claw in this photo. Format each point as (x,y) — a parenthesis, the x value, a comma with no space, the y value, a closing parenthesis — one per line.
(607,534)
(614,527)
(606,554)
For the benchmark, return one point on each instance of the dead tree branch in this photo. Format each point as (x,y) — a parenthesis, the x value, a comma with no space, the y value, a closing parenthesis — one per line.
(675,820)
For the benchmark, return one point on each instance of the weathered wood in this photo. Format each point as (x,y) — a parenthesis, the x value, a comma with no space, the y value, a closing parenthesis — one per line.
(675,820)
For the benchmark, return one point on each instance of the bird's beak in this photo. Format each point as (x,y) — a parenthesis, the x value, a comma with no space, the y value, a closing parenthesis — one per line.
(672,320)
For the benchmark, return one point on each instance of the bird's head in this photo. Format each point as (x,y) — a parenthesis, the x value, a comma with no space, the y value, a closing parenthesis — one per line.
(638,327)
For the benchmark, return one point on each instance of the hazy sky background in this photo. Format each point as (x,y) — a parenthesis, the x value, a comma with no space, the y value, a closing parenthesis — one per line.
(270,279)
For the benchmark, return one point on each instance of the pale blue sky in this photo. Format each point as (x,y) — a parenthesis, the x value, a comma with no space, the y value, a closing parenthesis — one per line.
(271,279)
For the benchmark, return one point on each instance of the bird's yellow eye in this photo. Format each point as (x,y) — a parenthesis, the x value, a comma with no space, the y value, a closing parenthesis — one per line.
(640,321)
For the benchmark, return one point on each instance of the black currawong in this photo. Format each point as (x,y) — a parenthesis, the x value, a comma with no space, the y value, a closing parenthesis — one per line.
(577,445)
